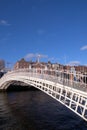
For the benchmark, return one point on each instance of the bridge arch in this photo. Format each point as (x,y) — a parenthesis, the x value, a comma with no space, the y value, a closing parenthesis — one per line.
(72,98)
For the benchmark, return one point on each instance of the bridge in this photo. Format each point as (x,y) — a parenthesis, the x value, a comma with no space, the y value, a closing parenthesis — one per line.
(64,86)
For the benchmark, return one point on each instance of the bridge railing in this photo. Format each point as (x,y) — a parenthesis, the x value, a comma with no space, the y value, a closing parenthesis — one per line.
(66,78)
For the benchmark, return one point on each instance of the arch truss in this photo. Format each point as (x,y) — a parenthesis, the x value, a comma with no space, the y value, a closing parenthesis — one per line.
(69,93)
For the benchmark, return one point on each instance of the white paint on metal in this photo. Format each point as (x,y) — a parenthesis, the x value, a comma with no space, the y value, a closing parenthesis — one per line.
(71,96)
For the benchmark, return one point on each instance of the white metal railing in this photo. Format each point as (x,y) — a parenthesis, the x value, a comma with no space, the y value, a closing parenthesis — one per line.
(58,84)
(66,78)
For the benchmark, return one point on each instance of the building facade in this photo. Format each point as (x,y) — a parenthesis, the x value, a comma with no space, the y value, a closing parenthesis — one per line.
(2,65)
(42,65)
(21,64)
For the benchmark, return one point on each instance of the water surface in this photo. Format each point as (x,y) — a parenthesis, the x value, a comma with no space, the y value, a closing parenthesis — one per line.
(34,110)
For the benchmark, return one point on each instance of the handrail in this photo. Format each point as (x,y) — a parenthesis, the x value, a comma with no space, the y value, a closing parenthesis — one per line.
(61,77)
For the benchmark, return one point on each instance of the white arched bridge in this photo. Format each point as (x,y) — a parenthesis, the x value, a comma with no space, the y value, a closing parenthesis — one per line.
(68,88)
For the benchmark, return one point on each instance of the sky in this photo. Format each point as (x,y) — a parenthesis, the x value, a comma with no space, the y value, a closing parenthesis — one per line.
(56,30)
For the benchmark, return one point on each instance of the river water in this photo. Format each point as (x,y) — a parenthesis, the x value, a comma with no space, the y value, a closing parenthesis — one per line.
(34,110)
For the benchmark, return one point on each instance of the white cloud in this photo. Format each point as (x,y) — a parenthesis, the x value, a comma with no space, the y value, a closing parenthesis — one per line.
(83,48)
(51,59)
(4,22)
(32,55)
(73,63)
(29,56)
(85,65)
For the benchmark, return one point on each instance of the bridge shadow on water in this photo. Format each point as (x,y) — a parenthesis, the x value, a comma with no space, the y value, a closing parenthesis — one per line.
(20,88)
(31,109)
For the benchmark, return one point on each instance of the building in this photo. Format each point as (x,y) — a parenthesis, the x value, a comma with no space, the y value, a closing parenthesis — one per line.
(21,64)
(82,69)
(46,66)
(2,65)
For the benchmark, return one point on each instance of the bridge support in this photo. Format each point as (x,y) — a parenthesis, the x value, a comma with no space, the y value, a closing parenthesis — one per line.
(70,95)
(72,99)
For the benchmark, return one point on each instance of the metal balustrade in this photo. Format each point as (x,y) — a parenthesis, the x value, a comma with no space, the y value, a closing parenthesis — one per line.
(58,84)
(58,77)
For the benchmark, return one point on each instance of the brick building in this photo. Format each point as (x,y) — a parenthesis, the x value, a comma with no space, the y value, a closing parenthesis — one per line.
(42,65)
(82,69)
(21,64)
(26,64)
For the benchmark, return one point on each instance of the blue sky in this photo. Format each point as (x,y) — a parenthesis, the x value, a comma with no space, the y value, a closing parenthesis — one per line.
(55,29)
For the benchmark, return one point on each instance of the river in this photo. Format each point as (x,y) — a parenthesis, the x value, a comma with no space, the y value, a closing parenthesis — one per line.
(34,110)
